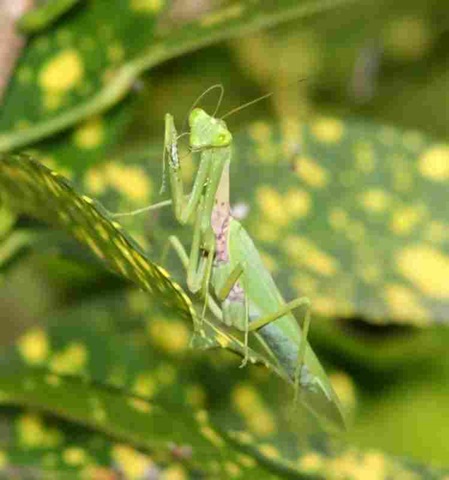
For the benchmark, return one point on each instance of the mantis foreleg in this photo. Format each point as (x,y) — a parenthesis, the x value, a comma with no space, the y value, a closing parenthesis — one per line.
(179,249)
(183,211)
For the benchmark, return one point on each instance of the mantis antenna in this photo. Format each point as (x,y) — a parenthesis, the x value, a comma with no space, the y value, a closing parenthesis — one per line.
(252,102)
(195,103)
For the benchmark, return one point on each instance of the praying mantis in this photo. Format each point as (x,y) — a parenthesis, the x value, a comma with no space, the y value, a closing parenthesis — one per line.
(225,267)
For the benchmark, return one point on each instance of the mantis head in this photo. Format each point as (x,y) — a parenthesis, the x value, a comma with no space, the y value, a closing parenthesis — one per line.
(207,131)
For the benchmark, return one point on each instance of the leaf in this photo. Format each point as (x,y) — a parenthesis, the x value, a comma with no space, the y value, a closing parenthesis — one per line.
(42,446)
(365,228)
(59,371)
(28,186)
(96,79)
(109,385)
(366,231)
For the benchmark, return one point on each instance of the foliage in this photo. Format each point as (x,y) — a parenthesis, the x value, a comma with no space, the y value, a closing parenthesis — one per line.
(101,381)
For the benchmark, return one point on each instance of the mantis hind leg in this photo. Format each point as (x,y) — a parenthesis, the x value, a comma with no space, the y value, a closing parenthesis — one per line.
(301,302)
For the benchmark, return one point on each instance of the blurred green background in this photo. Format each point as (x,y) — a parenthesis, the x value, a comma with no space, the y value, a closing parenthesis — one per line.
(342,175)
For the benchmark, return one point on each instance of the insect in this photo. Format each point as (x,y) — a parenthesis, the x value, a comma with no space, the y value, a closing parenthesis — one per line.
(225,268)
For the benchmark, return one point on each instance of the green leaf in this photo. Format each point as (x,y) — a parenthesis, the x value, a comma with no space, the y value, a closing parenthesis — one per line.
(116,387)
(95,79)
(365,228)
(364,234)
(30,187)
(43,446)
(149,393)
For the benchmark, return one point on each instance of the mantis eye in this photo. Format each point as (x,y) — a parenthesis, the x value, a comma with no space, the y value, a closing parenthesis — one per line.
(222,138)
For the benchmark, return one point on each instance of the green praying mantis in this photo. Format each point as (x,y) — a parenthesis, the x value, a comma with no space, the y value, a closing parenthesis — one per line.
(225,267)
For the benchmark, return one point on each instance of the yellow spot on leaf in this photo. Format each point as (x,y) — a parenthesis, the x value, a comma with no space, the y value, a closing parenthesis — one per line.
(298,202)
(174,472)
(196,395)
(325,305)
(132,463)
(53,101)
(311,172)
(407,38)
(242,436)
(90,134)
(71,360)
(34,434)
(371,273)
(246,461)
(303,251)
(202,416)
(352,464)
(74,456)
(328,130)
(232,469)
(375,200)
(434,164)
(144,385)
(271,204)
(260,132)
(404,304)
(53,380)
(266,232)
(345,389)
(147,6)
(211,435)
(95,181)
(172,337)
(311,462)
(427,268)
(98,410)
(34,347)
(405,219)
(139,405)
(62,73)
(250,405)
(269,451)
(129,180)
